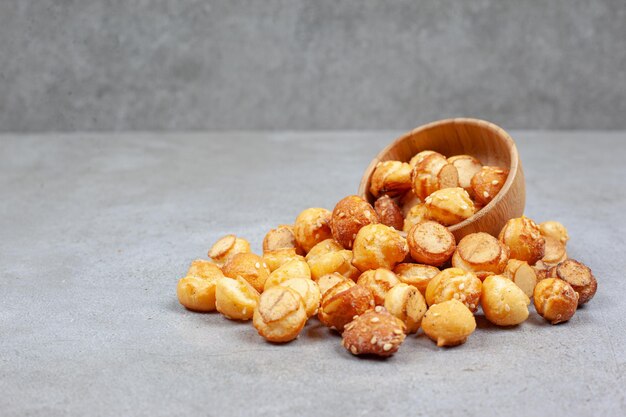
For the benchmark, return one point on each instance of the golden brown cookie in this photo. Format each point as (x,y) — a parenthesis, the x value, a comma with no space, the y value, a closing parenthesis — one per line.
(311,227)
(408,304)
(328,257)
(577,275)
(555,230)
(482,254)
(349,216)
(503,302)
(379,281)
(282,237)
(389,213)
(449,206)
(522,274)
(431,243)
(226,248)
(521,235)
(487,183)
(455,284)
(555,300)
(378,246)
(449,323)
(250,267)
(280,314)
(467,166)
(340,305)
(417,275)
(375,332)
(236,299)
(391,178)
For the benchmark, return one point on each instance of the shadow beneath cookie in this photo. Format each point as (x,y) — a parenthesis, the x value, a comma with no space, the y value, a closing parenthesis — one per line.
(536,320)
(317,332)
(175,306)
(425,342)
(483,324)
(314,330)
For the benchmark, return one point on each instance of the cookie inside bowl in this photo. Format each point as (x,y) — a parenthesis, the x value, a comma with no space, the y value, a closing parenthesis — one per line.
(489,143)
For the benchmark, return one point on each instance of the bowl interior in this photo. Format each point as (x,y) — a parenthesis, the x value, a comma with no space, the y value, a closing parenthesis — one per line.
(481,139)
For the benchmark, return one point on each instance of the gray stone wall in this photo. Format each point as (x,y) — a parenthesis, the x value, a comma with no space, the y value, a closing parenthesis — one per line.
(70,65)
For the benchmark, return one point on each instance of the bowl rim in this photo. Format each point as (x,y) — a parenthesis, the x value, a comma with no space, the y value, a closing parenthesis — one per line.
(499,132)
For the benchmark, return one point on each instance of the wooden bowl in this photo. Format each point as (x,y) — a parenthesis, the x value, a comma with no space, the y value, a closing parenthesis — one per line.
(484,140)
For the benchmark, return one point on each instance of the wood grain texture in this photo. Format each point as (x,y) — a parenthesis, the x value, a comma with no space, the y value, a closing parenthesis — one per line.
(484,140)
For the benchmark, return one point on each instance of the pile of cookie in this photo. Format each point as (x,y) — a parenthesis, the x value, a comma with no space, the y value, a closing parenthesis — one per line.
(376,274)
(431,186)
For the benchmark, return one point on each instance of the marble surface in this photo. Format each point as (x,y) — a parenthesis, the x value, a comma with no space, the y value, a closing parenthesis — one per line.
(94,65)
(96,229)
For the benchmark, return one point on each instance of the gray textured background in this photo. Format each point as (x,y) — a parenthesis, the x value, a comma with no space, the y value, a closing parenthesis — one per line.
(99,228)
(189,64)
